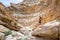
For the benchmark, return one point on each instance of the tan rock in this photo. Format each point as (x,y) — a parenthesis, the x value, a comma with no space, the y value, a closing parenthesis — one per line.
(31,2)
(47,30)
(2,36)
(50,12)
(3,28)
(25,8)
(26,15)
(7,18)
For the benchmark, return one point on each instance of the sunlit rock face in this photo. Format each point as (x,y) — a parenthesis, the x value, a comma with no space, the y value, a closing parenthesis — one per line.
(7,19)
(49,29)
(3,29)
(28,16)
(50,11)
(31,2)
(28,12)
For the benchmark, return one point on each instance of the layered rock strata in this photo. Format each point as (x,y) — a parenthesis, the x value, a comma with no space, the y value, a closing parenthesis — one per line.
(28,16)
(7,19)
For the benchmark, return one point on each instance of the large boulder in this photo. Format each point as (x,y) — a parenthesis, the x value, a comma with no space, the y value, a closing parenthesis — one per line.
(49,29)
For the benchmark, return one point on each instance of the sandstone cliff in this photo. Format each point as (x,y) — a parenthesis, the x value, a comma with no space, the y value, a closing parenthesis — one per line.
(7,19)
(29,19)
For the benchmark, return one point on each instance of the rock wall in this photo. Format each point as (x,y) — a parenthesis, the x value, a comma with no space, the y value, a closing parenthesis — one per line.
(28,16)
(41,15)
(50,12)
(7,19)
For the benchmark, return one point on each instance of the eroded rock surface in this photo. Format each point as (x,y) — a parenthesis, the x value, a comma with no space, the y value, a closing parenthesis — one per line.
(7,19)
(49,29)
(30,18)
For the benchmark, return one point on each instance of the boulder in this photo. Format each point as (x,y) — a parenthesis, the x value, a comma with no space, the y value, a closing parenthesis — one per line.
(49,29)
(2,36)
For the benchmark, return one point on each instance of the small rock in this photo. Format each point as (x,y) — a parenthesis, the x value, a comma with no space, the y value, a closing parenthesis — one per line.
(2,36)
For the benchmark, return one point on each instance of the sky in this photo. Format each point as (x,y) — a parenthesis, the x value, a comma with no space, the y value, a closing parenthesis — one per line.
(7,2)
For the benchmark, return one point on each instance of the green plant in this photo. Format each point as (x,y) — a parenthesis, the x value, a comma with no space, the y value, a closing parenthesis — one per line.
(25,38)
(7,33)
